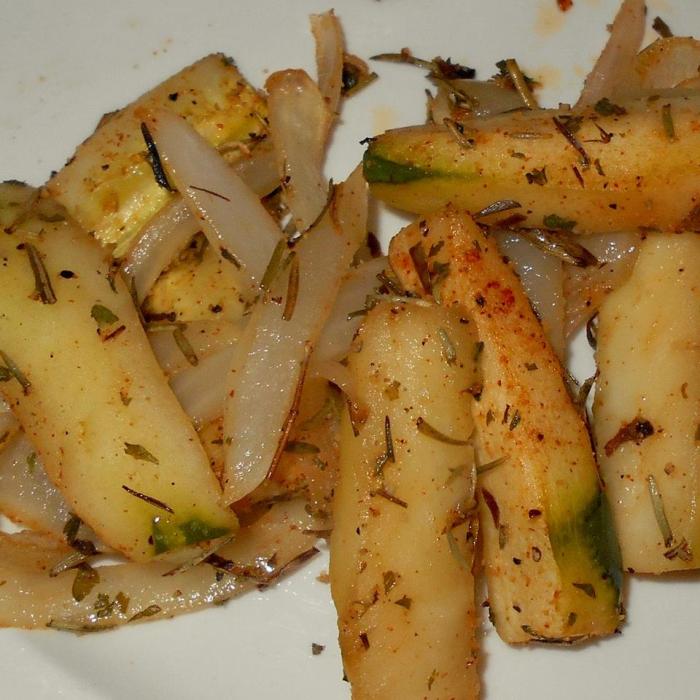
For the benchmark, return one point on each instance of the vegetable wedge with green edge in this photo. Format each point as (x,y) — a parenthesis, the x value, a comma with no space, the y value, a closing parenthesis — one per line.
(402,548)
(550,553)
(109,186)
(130,592)
(647,405)
(625,173)
(94,402)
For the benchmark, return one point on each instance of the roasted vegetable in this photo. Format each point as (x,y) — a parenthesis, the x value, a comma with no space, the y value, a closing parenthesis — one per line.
(197,286)
(402,545)
(647,405)
(79,374)
(610,168)
(109,185)
(550,554)
(42,589)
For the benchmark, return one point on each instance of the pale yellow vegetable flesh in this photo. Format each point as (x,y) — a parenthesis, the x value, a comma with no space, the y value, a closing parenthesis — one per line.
(550,558)
(401,570)
(636,176)
(649,361)
(98,408)
(109,187)
(198,286)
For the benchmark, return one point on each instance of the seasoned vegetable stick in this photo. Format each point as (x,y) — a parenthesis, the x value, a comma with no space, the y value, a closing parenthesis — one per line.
(79,374)
(402,546)
(610,168)
(550,554)
(647,405)
(109,186)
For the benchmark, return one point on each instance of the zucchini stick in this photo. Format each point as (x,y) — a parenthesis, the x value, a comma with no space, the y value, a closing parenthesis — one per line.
(109,186)
(647,405)
(79,374)
(550,554)
(609,168)
(402,546)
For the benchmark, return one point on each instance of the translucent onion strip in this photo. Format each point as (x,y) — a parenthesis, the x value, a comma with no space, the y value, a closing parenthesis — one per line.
(139,592)
(668,62)
(614,69)
(300,121)
(542,275)
(232,217)
(203,338)
(271,359)
(161,240)
(8,424)
(201,390)
(170,230)
(259,169)
(328,35)
(585,288)
(338,374)
(344,320)
(27,497)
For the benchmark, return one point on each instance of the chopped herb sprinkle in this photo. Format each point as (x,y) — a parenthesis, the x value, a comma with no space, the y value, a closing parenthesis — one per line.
(430,431)
(139,452)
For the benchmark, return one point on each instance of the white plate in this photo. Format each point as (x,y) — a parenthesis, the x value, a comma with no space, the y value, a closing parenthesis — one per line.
(63,65)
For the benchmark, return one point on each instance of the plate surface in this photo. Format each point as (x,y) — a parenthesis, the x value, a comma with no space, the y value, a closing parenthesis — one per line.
(66,63)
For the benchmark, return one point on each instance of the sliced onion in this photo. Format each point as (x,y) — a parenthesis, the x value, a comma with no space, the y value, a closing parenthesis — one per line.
(439,105)
(27,497)
(343,322)
(259,169)
(489,98)
(232,217)
(158,244)
(8,424)
(201,390)
(614,69)
(300,121)
(668,62)
(585,288)
(330,50)
(260,554)
(337,374)
(203,338)
(271,360)
(170,230)
(542,276)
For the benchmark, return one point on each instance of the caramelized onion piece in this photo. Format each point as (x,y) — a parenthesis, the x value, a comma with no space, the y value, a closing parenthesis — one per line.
(203,338)
(300,122)
(137,592)
(614,69)
(27,497)
(330,50)
(667,63)
(160,241)
(585,288)
(542,276)
(201,390)
(271,360)
(232,217)
(346,316)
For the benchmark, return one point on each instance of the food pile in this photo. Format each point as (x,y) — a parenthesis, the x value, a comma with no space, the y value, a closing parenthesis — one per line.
(207,362)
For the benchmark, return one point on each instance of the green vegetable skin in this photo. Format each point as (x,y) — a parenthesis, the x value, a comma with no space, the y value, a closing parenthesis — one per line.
(109,187)
(634,175)
(550,554)
(93,400)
